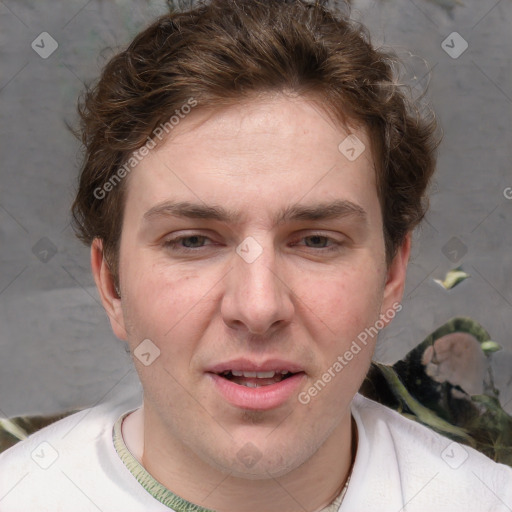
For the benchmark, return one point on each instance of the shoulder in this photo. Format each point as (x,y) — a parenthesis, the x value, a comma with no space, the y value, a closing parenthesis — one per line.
(71,463)
(418,462)
(89,423)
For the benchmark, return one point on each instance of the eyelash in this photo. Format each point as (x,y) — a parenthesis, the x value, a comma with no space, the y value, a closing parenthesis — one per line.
(173,244)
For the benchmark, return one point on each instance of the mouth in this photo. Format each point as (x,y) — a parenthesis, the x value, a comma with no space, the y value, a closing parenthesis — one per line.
(266,385)
(256,379)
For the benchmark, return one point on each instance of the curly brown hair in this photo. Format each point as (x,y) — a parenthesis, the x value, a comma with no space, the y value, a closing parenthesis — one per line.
(220,52)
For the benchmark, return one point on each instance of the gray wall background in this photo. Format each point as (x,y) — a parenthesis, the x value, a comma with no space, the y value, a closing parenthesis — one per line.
(56,348)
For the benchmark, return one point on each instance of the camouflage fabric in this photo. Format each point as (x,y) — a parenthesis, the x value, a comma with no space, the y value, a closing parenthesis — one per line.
(474,420)
(478,420)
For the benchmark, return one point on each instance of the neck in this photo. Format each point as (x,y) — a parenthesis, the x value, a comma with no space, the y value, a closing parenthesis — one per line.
(310,487)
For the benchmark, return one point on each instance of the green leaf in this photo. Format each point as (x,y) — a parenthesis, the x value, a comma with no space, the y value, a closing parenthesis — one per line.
(12,428)
(490,346)
(452,278)
(422,413)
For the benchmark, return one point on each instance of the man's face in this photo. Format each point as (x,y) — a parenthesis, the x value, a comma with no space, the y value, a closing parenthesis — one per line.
(249,293)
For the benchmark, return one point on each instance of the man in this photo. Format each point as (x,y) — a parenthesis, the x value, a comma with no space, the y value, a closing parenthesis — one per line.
(251,180)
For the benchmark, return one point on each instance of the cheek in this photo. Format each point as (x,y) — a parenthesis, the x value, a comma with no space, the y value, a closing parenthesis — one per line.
(161,301)
(343,328)
(346,301)
(171,311)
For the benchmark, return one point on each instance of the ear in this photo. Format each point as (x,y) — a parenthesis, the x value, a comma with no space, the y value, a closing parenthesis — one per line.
(106,288)
(395,281)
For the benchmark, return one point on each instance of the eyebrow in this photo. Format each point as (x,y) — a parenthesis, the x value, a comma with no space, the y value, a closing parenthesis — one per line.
(323,211)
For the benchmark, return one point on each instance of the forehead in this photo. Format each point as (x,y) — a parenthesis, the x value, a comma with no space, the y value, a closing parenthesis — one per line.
(257,152)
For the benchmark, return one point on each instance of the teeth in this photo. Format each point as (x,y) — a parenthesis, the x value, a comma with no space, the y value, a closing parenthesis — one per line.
(250,384)
(259,375)
(265,375)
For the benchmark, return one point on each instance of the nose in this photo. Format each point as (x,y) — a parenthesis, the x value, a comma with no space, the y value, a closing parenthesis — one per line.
(257,296)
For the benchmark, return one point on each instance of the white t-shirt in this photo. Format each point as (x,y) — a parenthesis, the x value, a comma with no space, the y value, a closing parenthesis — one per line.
(74,465)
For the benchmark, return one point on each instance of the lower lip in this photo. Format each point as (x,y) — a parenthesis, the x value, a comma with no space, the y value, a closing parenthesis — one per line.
(261,398)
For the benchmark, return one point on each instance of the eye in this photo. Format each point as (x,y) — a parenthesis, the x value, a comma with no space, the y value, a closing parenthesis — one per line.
(317,239)
(320,241)
(195,241)
(192,242)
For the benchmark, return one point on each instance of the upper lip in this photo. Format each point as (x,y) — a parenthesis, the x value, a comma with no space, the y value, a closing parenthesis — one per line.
(248,365)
